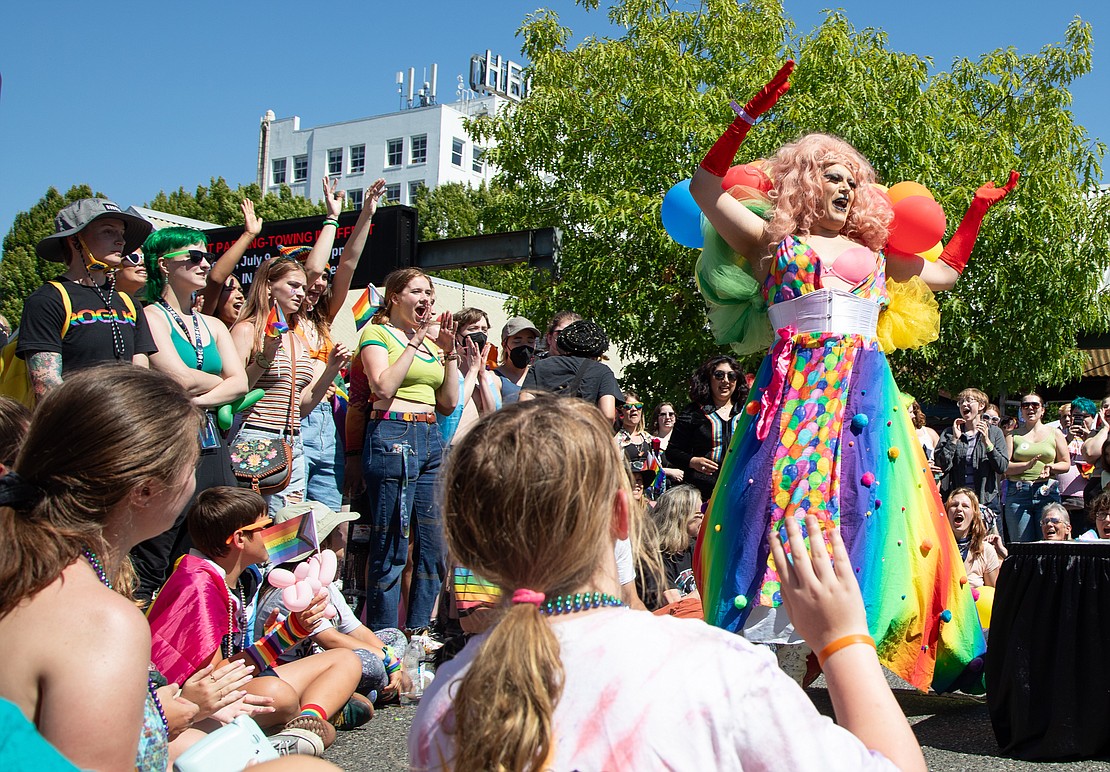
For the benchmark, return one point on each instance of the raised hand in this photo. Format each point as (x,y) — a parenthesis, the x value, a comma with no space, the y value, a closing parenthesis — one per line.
(991,195)
(822,598)
(252,223)
(373,196)
(446,338)
(333,197)
(769,94)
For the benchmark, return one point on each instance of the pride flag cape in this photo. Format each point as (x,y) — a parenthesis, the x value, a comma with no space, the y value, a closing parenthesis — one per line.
(291,539)
(188,619)
(368,302)
(275,323)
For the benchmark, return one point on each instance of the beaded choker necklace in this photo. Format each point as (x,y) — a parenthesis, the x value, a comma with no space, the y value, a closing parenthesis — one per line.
(151,687)
(580,601)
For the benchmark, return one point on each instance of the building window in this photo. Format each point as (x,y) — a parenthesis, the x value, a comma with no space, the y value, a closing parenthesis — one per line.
(414,188)
(300,168)
(394,152)
(419,152)
(393,193)
(479,159)
(335,162)
(358,159)
(355,197)
(456,151)
(278,176)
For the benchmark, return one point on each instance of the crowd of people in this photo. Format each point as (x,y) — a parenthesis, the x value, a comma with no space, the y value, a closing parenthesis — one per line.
(516,501)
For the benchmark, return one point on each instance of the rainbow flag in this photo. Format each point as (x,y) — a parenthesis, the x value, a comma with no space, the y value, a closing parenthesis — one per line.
(291,539)
(368,302)
(472,592)
(652,465)
(275,323)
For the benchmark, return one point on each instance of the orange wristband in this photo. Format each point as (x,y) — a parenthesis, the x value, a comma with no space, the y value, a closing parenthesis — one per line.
(841,643)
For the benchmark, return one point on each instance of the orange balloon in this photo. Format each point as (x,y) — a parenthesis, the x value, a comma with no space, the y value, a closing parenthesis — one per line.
(906,189)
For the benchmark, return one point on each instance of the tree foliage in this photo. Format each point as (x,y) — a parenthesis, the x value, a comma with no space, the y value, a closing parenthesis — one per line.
(454,210)
(22,271)
(612,123)
(219,204)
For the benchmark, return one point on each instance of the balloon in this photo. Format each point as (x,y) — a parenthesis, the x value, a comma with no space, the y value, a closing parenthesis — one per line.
(917,226)
(305,583)
(931,255)
(984,604)
(748,175)
(681,216)
(281,578)
(906,189)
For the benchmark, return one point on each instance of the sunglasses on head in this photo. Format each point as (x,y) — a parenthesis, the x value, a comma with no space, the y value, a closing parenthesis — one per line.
(194,256)
(134,259)
(633,406)
(1030,404)
(263,523)
(725,375)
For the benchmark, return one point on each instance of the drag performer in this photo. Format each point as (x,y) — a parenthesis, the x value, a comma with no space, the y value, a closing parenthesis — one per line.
(824,431)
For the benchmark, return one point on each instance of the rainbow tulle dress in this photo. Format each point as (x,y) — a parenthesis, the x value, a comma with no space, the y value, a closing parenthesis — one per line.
(825,432)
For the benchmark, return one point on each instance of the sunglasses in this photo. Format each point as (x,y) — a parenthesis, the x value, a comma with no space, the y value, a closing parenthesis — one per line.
(632,406)
(194,256)
(134,259)
(265,522)
(1030,404)
(666,414)
(725,375)
(992,419)
(1053,520)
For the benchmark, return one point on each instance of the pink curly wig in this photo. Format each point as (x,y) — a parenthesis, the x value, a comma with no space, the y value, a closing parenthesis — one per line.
(796,171)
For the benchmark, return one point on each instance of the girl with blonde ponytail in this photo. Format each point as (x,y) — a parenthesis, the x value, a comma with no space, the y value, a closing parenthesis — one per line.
(569,679)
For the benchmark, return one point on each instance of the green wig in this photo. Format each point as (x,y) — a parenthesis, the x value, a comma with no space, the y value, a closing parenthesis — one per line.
(161,242)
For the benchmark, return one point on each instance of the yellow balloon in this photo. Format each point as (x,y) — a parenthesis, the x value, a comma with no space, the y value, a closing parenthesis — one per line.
(906,189)
(984,605)
(932,254)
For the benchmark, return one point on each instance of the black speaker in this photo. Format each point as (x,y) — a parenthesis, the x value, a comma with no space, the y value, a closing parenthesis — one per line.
(392,245)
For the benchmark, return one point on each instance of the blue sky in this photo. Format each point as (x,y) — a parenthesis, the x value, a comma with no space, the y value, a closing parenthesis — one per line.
(133,98)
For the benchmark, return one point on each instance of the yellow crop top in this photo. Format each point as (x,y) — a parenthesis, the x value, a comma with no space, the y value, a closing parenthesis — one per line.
(425,374)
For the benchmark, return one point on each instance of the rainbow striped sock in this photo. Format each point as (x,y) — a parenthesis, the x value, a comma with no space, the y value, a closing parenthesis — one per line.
(314,710)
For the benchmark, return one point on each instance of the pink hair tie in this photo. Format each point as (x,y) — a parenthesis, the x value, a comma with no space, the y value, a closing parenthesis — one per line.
(524,595)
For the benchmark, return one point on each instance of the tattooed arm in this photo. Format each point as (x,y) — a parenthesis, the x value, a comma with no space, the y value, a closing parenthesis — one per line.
(45,369)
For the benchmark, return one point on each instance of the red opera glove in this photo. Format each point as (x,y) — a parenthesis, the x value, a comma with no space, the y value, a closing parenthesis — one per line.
(719,158)
(958,250)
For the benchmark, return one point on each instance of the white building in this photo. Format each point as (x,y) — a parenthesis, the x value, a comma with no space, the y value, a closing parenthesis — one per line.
(423,144)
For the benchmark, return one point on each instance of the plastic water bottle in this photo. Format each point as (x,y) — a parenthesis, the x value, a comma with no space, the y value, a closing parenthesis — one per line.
(412,663)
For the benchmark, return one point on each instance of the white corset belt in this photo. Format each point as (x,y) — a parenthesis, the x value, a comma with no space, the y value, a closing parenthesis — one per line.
(826,310)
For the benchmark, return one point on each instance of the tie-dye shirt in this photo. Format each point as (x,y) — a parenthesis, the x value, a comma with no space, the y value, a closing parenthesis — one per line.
(647,692)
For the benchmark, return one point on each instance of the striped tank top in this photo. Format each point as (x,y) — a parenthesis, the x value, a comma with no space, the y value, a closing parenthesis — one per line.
(272,411)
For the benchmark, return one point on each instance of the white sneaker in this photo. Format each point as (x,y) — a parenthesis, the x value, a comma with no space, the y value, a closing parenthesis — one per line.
(289,742)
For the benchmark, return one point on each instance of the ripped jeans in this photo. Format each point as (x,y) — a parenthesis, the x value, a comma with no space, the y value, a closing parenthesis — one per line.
(401,462)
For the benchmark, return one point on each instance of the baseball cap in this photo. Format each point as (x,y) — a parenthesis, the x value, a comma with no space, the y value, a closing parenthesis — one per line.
(516,325)
(326,519)
(73,218)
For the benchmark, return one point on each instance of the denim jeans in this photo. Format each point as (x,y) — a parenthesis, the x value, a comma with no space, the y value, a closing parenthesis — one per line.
(293,493)
(1024,502)
(401,463)
(323,458)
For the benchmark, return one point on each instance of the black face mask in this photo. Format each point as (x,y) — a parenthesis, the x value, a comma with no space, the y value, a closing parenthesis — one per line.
(479,339)
(521,355)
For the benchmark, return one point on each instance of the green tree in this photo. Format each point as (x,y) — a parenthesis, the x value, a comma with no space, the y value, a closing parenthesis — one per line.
(22,271)
(218,203)
(611,124)
(454,210)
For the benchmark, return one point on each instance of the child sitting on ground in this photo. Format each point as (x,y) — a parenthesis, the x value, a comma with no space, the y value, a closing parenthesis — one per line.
(379,652)
(200,615)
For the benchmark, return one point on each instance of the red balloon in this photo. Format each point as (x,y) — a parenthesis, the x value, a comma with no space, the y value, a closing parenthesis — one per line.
(918,225)
(748,175)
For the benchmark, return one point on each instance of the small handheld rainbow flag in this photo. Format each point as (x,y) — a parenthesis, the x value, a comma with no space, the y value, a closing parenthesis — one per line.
(291,539)
(367,303)
(275,323)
